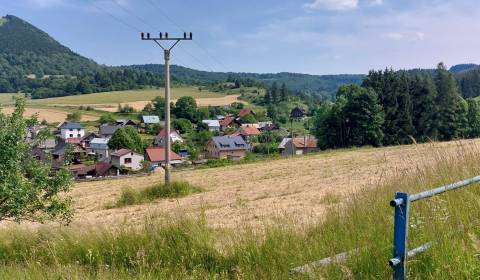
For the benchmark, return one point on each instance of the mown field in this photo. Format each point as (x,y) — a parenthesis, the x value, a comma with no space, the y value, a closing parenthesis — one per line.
(56,109)
(259,220)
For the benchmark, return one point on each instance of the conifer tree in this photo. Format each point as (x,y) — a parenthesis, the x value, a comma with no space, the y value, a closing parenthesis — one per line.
(424,94)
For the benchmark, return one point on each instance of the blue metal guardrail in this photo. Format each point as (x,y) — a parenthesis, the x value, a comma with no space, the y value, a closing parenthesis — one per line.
(401,202)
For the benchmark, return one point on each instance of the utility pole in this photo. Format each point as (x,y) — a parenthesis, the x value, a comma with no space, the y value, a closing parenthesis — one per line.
(166,56)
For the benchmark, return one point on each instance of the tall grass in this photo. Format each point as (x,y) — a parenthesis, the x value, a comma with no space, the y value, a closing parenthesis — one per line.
(188,248)
(177,189)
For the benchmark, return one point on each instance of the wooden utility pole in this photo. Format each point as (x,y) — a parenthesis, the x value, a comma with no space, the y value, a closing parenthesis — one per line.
(166,56)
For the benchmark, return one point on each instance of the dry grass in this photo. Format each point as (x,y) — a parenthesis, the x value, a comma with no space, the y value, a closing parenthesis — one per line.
(50,115)
(254,194)
(139,105)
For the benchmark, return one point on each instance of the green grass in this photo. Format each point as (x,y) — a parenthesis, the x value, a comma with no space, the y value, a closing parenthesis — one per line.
(175,190)
(186,248)
(7,98)
(116,97)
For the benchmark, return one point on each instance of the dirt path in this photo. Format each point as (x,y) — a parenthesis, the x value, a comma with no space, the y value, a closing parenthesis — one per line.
(303,187)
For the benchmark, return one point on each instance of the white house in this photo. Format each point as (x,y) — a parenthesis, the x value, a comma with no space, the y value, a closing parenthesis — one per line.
(125,158)
(99,146)
(213,125)
(174,137)
(70,130)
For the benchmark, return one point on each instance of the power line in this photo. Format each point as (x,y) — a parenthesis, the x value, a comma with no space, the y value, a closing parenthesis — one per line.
(183,30)
(115,18)
(202,65)
(134,15)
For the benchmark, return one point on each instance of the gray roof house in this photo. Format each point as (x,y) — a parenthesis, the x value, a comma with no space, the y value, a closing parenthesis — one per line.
(150,119)
(70,125)
(107,130)
(227,147)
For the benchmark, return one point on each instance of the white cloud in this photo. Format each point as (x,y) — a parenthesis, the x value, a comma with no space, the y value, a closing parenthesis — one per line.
(395,36)
(407,36)
(333,5)
(339,5)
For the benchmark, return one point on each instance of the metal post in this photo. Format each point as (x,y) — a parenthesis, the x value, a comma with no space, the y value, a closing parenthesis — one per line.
(166,53)
(400,236)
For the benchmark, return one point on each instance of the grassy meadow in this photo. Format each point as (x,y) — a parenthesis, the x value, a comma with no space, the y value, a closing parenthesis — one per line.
(185,247)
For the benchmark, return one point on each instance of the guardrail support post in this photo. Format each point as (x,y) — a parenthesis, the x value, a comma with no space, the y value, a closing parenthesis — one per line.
(400,236)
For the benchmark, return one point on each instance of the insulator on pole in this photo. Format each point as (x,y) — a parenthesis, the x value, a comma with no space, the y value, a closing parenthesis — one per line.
(148,35)
(184,35)
(190,35)
(143,35)
(161,35)
(166,34)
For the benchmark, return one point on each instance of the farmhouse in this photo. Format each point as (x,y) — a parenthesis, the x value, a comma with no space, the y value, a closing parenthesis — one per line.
(245,112)
(99,146)
(87,138)
(146,120)
(247,132)
(107,130)
(70,130)
(156,155)
(300,146)
(213,125)
(125,123)
(160,138)
(127,159)
(227,122)
(222,147)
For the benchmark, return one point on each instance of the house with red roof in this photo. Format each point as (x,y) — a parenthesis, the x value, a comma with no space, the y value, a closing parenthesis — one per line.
(227,122)
(300,145)
(247,132)
(156,155)
(245,112)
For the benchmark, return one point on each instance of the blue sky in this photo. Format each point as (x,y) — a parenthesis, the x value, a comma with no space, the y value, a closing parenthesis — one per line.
(306,36)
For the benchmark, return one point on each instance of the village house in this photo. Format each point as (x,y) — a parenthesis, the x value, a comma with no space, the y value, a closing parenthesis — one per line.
(160,138)
(71,131)
(281,146)
(247,132)
(125,123)
(99,147)
(226,147)
(107,130)
(156,155)
(77,151)
(245,112)
(101,169)
(213,125)
(300,146)
(149,120)
(87,138)
(127,159)
(227,122)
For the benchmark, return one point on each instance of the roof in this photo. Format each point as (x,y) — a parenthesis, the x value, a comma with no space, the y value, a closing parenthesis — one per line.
(228,120)
(75,140)
(212,123)
(231,142)
(162,132)
(244,112)
(300,142)
(150,119)
(248,130)
(89,134)
(157,154)
(122,152)
(298,112)
(125,122)
(101,141)
(107,129)
(62,146)
(284,142)
(70,125)
(102,167)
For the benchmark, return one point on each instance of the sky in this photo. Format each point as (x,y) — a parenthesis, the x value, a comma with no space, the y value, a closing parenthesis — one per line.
(265,36)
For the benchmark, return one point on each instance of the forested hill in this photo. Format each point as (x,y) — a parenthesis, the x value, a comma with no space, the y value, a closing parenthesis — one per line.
(317,85)
(31,61)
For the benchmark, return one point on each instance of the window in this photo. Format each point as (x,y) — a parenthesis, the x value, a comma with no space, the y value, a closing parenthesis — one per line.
(71,135)
(78,135)
(128,160)
(71,129)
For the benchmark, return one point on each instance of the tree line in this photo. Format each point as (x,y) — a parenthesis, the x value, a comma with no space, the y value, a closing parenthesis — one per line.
(397,107)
